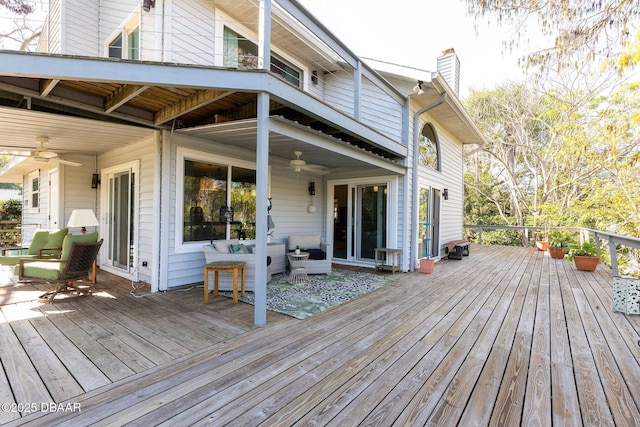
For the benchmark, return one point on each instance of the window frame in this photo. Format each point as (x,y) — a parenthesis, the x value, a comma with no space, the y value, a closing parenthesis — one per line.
(130,26)
(182,154)
(280,56)
(435,143)
(34,196)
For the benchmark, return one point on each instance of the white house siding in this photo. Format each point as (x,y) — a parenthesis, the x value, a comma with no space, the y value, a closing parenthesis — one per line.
(144,152)
(338,92)
(450,177)
(75,188)
(111,17)
(192,33)
(54,28)
(80,39)
(381,111)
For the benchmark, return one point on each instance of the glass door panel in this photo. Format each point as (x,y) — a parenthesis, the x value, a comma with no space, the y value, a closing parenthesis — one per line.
(372,219)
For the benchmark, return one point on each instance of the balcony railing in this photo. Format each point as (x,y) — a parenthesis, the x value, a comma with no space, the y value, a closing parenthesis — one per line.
(615,243)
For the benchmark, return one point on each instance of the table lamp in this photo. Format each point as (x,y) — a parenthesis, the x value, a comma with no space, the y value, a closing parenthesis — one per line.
(83,218)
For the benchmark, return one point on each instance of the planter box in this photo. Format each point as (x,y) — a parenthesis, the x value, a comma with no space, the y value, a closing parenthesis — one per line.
(426,265)
(586,263)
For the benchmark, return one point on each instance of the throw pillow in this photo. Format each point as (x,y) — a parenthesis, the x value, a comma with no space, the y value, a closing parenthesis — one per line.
(222,247)
(239,249)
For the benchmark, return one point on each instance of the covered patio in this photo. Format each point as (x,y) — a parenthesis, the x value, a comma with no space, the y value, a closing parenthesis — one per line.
(507,336)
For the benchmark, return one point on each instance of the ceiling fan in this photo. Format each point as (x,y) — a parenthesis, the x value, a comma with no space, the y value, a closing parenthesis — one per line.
(298,165)
(42,154)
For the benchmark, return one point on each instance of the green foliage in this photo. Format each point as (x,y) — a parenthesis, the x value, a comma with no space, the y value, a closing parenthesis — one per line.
(584,249)
(11,210)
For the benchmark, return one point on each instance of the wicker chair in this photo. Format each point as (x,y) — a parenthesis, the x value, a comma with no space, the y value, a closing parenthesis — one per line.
(218,251)
(71,274)
(321,252)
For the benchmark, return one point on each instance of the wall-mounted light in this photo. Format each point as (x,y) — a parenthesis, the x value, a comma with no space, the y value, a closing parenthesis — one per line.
(312,188)
(147,5)
(314,77)
(445,194)
(95,180)
(418,88)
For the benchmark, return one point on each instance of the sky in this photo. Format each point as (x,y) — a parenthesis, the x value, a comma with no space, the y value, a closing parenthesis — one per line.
(415,32)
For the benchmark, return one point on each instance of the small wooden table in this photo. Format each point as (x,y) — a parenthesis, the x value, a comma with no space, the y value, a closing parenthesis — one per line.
(395,254)
(298,274)
(224,266)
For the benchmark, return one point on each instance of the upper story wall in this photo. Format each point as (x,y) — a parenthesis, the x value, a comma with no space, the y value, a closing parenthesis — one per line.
(192,32)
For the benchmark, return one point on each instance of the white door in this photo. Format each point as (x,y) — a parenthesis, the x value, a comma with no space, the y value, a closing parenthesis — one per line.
(118,198)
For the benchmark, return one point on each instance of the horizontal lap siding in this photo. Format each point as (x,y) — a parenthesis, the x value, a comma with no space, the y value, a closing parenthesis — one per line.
(54,27)
(338,92)
(380,111)
(193,33)
(81,39)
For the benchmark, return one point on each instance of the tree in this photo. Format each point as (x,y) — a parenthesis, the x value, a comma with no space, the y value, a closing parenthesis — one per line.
(19,7)
(23,33)
(583,31)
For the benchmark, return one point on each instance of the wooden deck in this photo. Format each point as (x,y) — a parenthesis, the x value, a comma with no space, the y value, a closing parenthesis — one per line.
(506,336)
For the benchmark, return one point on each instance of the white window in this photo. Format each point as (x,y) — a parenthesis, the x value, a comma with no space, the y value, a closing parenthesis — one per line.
(125,42)
(240,52)
(216,198)
(34,191)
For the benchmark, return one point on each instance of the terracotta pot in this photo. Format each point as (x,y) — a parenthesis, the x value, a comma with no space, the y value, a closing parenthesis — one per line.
(542,246)
(426,265)
(556,252)
(586,263)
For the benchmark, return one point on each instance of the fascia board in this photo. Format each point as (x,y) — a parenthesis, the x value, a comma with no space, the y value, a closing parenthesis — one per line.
(22,64)
(289,95)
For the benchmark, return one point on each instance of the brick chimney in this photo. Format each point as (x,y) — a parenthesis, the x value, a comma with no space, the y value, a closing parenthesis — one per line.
(449,66)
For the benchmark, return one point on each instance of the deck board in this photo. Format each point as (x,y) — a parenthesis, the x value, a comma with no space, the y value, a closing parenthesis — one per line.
(506,336)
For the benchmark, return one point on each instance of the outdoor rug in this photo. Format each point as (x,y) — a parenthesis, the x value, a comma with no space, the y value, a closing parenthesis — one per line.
(320,293)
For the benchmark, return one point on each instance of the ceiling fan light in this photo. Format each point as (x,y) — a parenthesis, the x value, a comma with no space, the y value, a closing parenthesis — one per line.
(47,154)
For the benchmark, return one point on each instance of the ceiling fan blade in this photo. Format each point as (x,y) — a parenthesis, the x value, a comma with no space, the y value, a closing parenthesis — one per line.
(66,162)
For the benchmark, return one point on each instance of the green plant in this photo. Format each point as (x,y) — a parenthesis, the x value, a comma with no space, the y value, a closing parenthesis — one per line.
(562,239)
(585,249)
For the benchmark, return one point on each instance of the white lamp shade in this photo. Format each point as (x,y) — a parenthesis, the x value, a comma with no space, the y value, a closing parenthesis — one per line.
(83,218)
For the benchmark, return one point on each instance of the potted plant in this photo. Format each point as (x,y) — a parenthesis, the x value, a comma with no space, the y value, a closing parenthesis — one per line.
(584,256)
(542,240)
(559,244)
(426,265)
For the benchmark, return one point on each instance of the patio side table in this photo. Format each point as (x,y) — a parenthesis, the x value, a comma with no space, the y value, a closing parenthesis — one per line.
(216,267)
(298,274)
(384,263)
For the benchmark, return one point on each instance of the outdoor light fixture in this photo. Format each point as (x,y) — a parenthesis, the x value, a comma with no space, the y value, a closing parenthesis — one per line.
(147,5)
(445,194)
(314,77)
(95,180)
(418,88)
(312,188)
(83,218)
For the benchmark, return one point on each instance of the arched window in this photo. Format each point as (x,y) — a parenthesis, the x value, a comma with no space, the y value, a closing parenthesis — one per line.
(429,147)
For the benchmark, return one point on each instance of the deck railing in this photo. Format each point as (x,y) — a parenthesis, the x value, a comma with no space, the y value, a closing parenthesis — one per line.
(614,242)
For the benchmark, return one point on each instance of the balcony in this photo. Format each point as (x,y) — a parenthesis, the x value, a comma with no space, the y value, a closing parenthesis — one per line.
(507,335)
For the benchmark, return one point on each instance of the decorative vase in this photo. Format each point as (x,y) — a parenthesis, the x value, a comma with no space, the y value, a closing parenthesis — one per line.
(297,251)
(556,252)
(542,246)
(586,263)
(426,265)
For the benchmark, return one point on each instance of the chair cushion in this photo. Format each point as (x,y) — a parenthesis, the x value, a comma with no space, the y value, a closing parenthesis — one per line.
(43,270)
(82,238)
(239,249)
(38,241)
(14,259)
(316,254)
(56,238)
(223,246)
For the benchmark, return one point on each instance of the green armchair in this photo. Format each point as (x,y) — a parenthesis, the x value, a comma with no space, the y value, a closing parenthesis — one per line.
(70,273)
(44,244)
